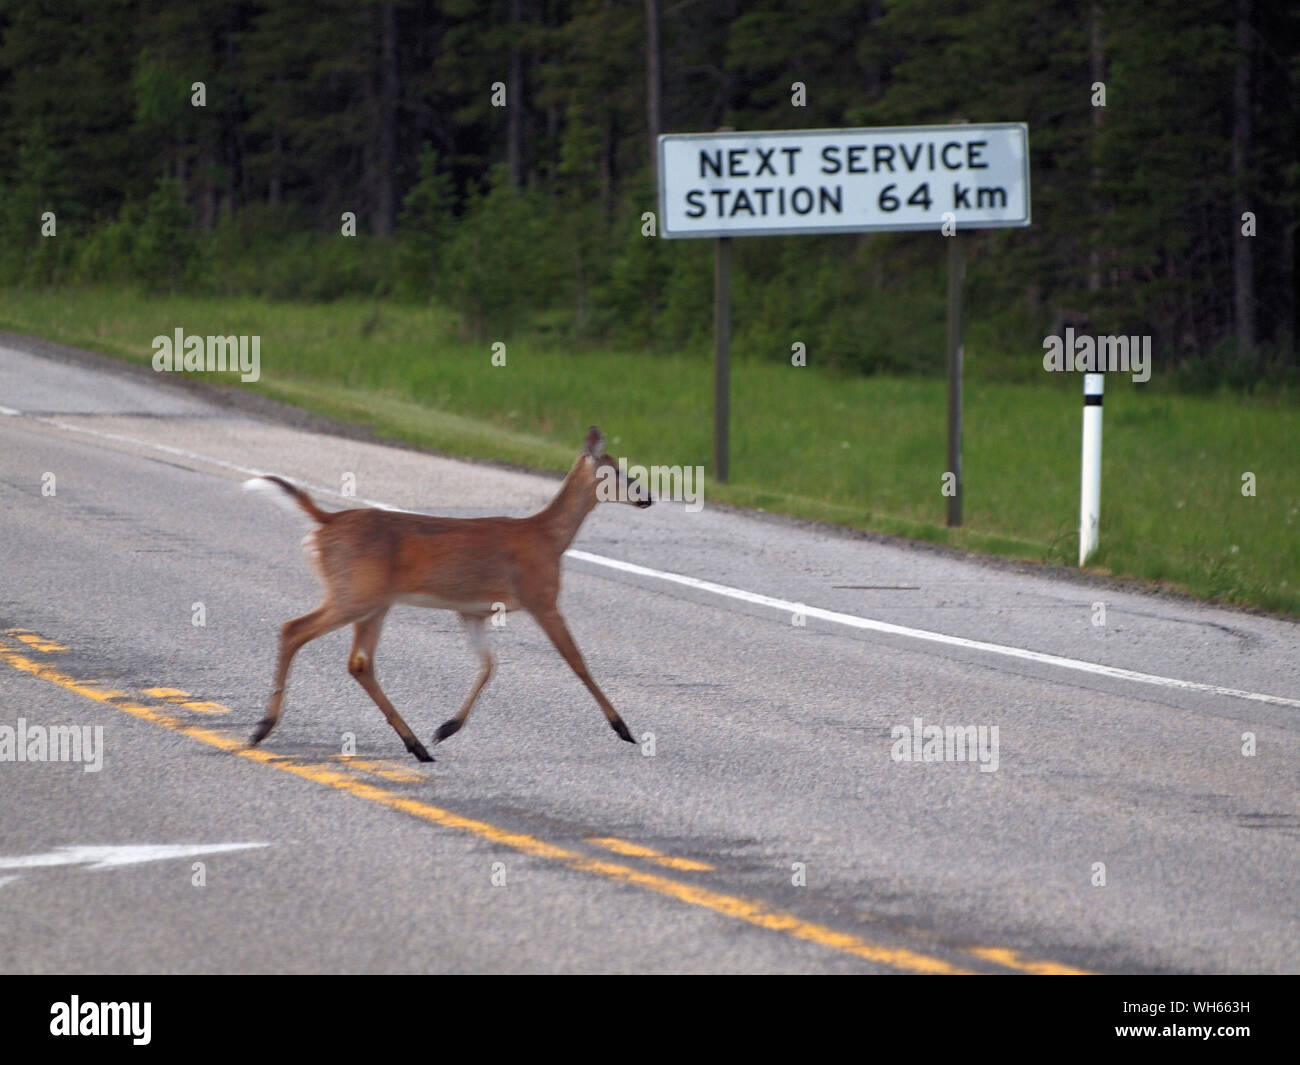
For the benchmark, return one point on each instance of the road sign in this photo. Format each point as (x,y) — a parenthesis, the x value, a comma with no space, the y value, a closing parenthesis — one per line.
(770,183)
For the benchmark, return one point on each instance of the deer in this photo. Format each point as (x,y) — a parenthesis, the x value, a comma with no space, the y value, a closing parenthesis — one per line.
(371,560)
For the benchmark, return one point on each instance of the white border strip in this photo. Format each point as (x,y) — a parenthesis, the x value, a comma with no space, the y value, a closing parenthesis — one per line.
(783,605)
(853,621)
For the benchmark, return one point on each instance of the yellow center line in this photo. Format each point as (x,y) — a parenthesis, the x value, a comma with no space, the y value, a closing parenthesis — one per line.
(749,910)
(36,640)
(206,708)
(636,850)
(183,698)
(1012,959)
(379,769)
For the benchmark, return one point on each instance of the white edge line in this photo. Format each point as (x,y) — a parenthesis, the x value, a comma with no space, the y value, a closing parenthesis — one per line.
(783,605)
(853,621)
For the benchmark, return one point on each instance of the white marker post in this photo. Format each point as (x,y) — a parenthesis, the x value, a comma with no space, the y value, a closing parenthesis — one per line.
(1090,483)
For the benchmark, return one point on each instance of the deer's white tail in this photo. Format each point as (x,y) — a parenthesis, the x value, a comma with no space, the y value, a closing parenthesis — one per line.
(288,495)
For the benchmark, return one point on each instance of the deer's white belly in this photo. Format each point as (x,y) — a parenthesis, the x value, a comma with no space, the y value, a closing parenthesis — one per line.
(434,602)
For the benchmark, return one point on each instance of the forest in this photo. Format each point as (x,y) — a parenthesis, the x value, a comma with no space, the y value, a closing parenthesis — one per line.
(497,158)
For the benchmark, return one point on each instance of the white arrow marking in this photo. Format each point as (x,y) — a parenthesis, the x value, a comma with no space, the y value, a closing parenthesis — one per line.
(110,857)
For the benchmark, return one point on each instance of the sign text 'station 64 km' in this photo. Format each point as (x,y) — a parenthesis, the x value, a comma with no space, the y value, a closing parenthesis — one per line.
(843,180)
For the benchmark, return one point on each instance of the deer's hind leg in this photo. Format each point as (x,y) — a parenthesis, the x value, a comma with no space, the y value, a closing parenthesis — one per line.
(478,641)
(361,664)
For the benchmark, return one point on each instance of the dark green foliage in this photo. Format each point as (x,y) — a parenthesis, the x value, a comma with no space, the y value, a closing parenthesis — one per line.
(530,215)
(30,207)
(504,259)
(164,244)
(425,225)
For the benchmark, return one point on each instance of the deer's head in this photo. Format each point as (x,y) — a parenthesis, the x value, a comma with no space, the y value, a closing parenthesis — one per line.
(607,477)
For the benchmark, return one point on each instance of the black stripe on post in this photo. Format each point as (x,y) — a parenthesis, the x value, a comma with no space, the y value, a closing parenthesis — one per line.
(1092,401)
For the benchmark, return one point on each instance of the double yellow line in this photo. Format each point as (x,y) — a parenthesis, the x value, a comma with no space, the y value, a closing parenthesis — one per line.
(750,911)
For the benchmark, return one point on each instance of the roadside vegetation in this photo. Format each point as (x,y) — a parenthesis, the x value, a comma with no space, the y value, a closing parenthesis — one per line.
(816,442)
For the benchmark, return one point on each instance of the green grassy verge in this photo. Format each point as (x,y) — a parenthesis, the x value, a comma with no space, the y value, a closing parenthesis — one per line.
(863,452)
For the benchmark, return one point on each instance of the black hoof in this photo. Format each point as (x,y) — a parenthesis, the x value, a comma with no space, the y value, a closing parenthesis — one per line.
(622,731)
(260,733)
(417,749)
(447,728)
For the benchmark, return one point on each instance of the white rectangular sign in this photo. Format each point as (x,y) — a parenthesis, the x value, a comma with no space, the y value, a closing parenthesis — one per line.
(843,180)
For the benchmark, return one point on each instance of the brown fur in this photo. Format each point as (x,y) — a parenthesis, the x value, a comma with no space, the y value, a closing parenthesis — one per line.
(369,559)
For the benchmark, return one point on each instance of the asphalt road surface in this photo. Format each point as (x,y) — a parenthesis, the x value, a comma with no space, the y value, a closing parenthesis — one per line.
(762,824)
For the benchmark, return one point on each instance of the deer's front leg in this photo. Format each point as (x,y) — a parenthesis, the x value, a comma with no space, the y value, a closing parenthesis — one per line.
(553,625)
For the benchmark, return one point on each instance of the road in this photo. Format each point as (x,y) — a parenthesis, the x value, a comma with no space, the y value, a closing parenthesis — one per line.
(763,824)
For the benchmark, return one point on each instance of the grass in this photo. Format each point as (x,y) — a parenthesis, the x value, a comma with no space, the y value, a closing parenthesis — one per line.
(862,452)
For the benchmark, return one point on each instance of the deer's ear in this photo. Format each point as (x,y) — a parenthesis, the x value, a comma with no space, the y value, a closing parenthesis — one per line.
(594,445)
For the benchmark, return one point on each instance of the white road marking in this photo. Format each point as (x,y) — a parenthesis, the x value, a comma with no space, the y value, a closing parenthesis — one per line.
(10,412)
(111,857)
(853,621)
(782,605)
(178,451)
